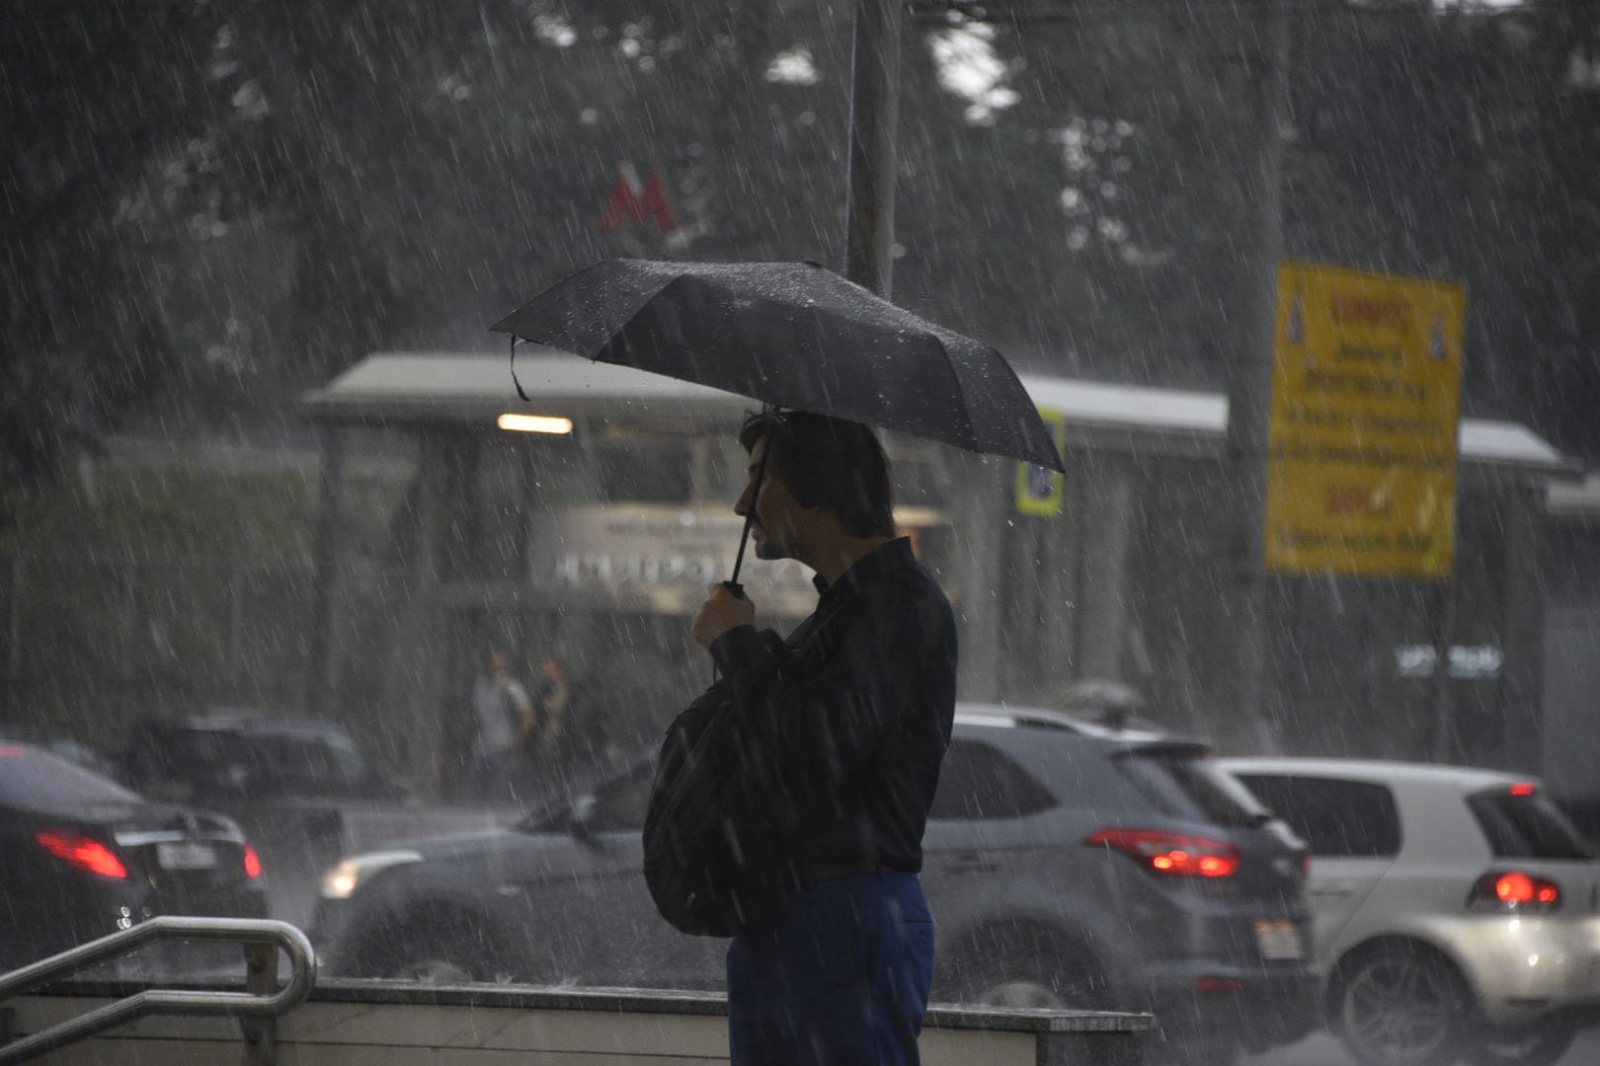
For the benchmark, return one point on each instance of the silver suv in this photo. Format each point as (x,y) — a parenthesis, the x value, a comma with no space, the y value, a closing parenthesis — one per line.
(1456,909)
(1066,862)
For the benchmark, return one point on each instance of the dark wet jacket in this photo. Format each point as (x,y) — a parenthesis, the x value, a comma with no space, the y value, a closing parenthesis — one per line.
(855,709)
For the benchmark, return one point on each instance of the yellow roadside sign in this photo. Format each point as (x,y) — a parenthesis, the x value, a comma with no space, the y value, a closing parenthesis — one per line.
(1040,490)
(1366,387)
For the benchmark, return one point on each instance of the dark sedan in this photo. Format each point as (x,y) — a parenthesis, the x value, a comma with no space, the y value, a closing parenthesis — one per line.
(81,857)
(1067,864)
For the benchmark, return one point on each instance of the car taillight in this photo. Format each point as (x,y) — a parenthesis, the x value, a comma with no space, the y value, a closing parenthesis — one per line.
(1211,983)
(1172,853)
(252,862)
(1514,892)
(85,853)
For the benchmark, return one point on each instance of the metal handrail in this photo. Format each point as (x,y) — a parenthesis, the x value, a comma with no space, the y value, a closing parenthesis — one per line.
(249,931)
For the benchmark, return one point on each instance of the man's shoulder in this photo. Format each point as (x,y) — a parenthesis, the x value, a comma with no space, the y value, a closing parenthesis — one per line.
(918,591)
(915,576)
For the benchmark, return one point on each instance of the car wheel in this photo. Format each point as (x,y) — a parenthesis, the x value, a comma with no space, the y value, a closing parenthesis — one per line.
(1029,968)
(431,968)
(1211,1050)
(438,950)
(1534,1045)
(1400,1005)
(1038,968)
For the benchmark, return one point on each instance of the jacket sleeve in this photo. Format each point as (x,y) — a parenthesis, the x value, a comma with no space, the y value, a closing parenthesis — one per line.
(818,717)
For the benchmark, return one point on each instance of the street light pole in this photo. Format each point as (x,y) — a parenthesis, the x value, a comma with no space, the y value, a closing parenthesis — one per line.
(874,122)
(1252,339)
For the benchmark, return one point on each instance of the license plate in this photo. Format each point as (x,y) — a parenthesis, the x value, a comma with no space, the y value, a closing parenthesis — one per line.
(1277,938)
(186,856)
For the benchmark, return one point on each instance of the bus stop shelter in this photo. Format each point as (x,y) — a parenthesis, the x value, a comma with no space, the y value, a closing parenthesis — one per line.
(597,531)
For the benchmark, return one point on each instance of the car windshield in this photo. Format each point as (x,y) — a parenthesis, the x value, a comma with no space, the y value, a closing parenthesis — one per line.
(1521,824)
(305,757)
(34,779)
(1184,783)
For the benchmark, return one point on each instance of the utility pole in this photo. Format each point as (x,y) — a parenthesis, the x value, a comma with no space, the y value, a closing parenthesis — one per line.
(874,122)
(1250,336)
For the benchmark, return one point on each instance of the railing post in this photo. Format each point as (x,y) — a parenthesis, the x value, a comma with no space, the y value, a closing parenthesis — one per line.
(260,1033)
(264,1003)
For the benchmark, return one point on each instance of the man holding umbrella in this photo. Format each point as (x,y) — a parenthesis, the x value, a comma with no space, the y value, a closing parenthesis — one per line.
(859,702)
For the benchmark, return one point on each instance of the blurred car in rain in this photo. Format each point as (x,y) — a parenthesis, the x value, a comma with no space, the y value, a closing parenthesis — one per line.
(1067,863)
(1455,909)
(62,746)
(285,779)
(82,857)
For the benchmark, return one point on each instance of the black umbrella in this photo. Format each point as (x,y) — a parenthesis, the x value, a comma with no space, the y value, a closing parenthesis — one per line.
(793,335)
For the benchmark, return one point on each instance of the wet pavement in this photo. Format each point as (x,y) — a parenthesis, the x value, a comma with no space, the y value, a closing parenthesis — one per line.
(1324,1050)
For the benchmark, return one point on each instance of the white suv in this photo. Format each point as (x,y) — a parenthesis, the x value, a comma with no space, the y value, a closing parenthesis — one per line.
(1454,910)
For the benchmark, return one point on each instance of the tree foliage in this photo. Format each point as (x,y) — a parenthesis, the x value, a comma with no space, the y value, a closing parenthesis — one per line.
(93,92)
(216,203)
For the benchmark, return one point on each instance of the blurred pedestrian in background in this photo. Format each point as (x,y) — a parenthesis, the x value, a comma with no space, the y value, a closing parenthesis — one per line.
(544,761)
(504,719)
(552,700)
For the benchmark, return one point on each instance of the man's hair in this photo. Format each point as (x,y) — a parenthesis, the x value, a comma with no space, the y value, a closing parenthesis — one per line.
(828,462)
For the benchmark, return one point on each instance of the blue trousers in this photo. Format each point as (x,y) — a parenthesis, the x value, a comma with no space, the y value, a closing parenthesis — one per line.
(840,978)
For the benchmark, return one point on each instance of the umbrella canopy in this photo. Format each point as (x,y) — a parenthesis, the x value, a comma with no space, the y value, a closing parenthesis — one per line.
(794,335)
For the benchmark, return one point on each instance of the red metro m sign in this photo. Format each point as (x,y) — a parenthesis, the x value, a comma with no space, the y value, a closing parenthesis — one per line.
(632,202)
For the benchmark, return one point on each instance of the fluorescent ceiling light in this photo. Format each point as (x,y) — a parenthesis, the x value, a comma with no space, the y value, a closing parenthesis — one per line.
(534,424)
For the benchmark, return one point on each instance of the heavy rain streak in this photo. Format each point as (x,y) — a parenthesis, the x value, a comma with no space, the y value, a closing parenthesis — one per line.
(1239,393)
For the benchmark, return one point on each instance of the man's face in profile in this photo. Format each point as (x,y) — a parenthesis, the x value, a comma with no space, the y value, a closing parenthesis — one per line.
(779,517)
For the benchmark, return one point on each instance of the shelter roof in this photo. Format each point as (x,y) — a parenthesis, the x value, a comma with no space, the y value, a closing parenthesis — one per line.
(393,388)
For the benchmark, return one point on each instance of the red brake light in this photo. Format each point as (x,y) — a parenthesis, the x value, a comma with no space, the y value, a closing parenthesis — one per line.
(85,853)
(1524,788)
(1514,891)
(1514,888)
(252,862)
(1211,983)
(12,749)
(1172,853)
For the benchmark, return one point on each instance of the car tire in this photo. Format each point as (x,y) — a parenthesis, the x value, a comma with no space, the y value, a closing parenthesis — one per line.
(437,949)
(1028,967)
(1400,1004)
(1535,1045)
(1035,967)
(1214,1050)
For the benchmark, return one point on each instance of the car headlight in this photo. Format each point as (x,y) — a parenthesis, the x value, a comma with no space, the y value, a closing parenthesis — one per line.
(342,881)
